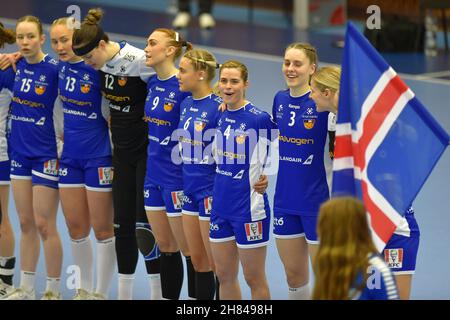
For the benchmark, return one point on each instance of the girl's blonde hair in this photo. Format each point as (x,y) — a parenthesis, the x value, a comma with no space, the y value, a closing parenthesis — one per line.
(327,78)
(176,41)
(345,246)
(203,60)
(309,50)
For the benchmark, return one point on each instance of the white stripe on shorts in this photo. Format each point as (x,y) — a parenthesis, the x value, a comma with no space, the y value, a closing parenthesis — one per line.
(155,208)
(44,176)
(251,246)
(222,239)
(288,236)
(70,185)
(189,213)
(98,189)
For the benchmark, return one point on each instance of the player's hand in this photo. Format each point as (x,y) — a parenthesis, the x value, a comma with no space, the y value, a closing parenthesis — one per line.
(9,59)
(261,185)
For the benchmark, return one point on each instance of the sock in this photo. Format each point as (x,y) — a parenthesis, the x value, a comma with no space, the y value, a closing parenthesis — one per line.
(153,266)
(172,274)
(155,286)
(27,280)
(125,289)
(106,265)
(205,285)
(191,279)
(300,293)
(53,285)
(217,288)
(82,257)
(7,269)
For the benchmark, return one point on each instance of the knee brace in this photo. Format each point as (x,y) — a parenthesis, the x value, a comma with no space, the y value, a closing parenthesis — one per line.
(146,241)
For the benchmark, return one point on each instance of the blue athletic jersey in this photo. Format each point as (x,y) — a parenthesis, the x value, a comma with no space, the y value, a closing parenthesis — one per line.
(162,113)
(86,133)
(301,182)
(33,108)
(240,148)
(198,123)
(6,87)
(380,284)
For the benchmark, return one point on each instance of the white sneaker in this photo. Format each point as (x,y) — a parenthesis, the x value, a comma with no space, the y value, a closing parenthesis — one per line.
(206,21)
(82,295)
(50,295)
(182,20)
(5,289)
(20,294)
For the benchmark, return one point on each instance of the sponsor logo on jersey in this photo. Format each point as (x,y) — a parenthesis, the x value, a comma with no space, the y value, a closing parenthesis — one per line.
(86,77)
(394,258)
(292,106)
(105,175)
(130,57)
(51,167)
(177,199)
(242,126)
(199,125)
(171,95)
(41,121)
(122,81)
(85,87)
(309,123)
(240,139)
(168,107)
(15,164)
(207,202)
(297,141)
(158,122)
(253,231)
(39,89)
(204,114)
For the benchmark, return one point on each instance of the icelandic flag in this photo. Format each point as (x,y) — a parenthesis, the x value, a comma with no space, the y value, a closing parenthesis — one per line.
(387,143)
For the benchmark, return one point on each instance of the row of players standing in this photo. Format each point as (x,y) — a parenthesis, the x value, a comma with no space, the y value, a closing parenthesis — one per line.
(181,221)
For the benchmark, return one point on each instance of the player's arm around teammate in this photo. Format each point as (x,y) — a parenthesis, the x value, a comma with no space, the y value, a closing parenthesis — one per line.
(85,173)
(240,219)
(34,164)
(163,185)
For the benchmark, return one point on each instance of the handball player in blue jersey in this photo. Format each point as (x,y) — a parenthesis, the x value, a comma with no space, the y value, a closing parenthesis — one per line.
(199,117)
(400,252)
(347,264)
(240,218)
(85,170)
(301,182)
(163,187)
(36,125)
(7,240)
